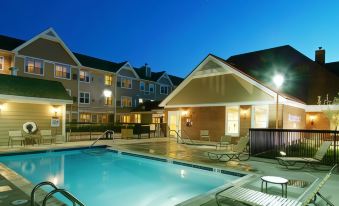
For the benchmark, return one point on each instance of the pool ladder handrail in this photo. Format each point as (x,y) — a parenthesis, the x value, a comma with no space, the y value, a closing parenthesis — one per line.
(101,136)
(180,137)
(64,192)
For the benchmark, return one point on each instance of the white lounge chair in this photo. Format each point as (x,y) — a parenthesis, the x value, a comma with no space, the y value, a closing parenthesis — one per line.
(289,162)
(253,197)
(47,135)
(238,151)
(15,136)
(204,135)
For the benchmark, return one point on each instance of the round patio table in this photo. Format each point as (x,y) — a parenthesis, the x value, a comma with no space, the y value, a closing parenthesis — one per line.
(275,180)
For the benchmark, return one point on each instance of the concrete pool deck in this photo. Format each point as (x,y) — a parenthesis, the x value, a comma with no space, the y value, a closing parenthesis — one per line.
(164,147)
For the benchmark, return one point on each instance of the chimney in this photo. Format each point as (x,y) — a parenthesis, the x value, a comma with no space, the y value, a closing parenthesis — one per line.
(147,70)
(320,55)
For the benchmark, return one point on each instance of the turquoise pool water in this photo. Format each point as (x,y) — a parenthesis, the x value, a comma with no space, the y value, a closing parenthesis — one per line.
(116,179)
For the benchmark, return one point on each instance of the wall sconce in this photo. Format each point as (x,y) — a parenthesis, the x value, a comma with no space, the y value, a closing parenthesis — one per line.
(55,110)
(184,113)
(244,113)
(107,93)
(189,122)
(312,118)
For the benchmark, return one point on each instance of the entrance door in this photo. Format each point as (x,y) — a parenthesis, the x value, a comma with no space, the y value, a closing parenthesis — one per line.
(174,122)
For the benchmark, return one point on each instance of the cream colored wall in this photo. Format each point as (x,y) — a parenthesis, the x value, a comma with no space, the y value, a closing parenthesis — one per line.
(14,115)
(296,112)
(7,62)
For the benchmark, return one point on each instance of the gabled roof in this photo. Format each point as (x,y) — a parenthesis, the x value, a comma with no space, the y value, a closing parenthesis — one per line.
(304,79)
(155,76)
(32,87)
(97,63)
(333,67)
(176,80)
(9,43)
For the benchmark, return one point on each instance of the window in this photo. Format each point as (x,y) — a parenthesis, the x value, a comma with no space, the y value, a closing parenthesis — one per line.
(141,101)
(62,71)
(126,83)
(34,66)
(142,86)
(108,80)
(84,97)
(125,119)
(108,100)
(232,117)
(163,89)
(137,118)
(2,62)
(260,116)
(85,117)
(126,101)
(151,88)
(84,76)
(155,120)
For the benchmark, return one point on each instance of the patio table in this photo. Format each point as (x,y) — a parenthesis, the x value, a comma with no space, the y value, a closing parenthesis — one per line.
(275,180)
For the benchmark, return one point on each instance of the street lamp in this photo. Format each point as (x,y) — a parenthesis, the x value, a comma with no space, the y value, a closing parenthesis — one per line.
(278,81)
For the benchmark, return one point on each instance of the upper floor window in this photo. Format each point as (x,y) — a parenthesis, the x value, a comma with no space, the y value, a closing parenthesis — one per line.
(108,100)
(142,86)
(62,71)
(108,80)
(126,101)
(84,97)
(232,120)
(163,89)
(84,76)
(260,116)
(34,66)
(126,83)
(2,62)
(151,88)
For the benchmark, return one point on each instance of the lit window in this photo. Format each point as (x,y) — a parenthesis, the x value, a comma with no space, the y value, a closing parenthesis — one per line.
(84,98)
(126,83)
(108,80)
(137,118)
(151,88)
(85,117)
(142,86)
(141,100)
(126,101)
(2,62)
(125,119)
(232,123)
(34,66)
(260,117)
(84,76)
(155,120)
(163,89)
(108,100)
(62,71)
(104,118)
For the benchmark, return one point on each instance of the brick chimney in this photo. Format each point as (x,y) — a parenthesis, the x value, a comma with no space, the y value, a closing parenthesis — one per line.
(320,55)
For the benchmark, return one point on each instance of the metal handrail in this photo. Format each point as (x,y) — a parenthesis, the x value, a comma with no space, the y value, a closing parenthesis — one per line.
(66,194)
(38,186)
(101,136)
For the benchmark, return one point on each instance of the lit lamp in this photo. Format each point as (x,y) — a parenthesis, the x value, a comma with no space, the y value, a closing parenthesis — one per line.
(312,118)
(278,81)
(107,93)
(189,122)
(55,110)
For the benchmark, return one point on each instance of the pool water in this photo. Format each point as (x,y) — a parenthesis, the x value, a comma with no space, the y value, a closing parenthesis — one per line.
(115,179)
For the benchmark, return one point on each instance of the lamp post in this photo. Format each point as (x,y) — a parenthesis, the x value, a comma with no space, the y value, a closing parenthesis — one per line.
(278,81)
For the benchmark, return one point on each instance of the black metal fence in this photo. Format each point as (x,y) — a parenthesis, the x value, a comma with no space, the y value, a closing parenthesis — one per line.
(268,143)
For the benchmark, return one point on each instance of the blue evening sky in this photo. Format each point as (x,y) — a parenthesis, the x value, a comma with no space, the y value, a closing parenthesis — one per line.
(175,35)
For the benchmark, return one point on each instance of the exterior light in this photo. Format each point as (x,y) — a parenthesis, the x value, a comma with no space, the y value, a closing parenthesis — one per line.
(1,107)
(184,113)
(282,153)
(278,80)
(55,110)
(107,93)
(312,118)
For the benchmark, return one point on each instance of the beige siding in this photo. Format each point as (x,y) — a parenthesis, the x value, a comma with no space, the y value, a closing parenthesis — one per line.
(127,73)
(14,115)
(164,80)
(218,89)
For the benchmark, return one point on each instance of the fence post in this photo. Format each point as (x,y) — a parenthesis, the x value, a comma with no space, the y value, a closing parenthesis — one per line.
(335,147)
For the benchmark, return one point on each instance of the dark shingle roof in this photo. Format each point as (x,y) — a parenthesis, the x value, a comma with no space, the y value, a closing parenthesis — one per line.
(176,80)
(333,67)
(147,106)
(32,87)
(97,63)
(9,43)
(305,79)
(156,75)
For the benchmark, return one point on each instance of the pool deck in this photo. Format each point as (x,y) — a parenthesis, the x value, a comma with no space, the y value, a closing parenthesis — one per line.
(163,147)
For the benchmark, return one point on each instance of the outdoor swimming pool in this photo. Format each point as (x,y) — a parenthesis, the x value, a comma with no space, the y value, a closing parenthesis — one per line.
(110,178)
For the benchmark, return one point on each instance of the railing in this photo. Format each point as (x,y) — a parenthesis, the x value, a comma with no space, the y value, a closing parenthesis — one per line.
(268,143)
(111,132)
(55,190)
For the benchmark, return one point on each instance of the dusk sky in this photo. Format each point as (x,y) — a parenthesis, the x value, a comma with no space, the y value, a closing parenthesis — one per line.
(176,35)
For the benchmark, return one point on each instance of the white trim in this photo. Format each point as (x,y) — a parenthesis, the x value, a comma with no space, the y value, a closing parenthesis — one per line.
(226,120)
(89,97)
(89,76)
(126,78)
(36,100)
(222,104)
(166,76)
(34,59)
(128,66)
(45,36)
(70,71)
(2,63)
(320,108)
(253,115)
(164,85)
(64,122)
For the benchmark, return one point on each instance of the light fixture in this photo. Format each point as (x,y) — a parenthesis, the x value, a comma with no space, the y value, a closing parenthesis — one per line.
(107,93)
(278,80)
(1,107)
(312,118)
(55,110)
(282,153)
(184,113)
(244,113)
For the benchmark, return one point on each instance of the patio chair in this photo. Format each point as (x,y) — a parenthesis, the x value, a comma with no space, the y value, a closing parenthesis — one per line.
(15,136)
(47,135)
(225,141)
(204,135)
(253,197)
(238,151)
(290,162)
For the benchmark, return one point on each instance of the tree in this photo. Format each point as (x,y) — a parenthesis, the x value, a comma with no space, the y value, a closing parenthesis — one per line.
(332,111)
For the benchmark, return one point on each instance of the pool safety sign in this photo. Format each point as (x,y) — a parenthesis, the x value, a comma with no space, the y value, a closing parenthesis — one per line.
(55,122)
